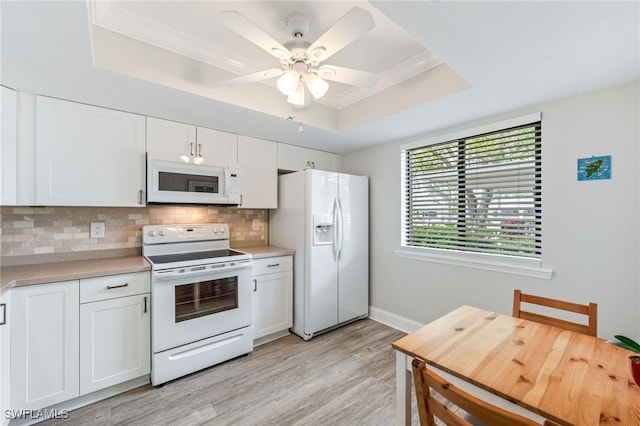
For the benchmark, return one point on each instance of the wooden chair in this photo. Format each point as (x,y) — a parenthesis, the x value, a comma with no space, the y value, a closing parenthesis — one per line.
(590,310)
(429,406)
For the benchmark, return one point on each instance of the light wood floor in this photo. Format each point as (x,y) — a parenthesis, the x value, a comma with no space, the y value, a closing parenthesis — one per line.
(344,377)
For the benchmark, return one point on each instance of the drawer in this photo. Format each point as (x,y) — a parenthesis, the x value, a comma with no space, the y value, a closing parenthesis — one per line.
(269,265)
(112,286)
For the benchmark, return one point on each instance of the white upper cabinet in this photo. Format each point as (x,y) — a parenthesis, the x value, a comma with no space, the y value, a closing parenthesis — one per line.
(88,156)
(175,141)
(9,147)
(295,158)
(170,139)
(217,148)
(258,166)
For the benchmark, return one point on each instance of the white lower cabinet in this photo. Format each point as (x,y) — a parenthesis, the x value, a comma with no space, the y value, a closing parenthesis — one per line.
(5,345)
(71,338)
(44,344)
(114,342)
(273,297)
(115,331)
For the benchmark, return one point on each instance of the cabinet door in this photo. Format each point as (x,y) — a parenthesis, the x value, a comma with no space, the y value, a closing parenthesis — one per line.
(292,158)
(5,339)
(273,303)
(295,158)
(321,160)
(114,341)
(258,166)
(9,147)
(171,140)
(44,344)
(88,156)
(217,148)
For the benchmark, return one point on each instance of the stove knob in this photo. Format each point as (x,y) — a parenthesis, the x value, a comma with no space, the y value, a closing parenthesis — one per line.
(152,233)
(215,230)
(161,233)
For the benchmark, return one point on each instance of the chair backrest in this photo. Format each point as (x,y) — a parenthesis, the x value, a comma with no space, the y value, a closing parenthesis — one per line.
(429,405)
(590,310)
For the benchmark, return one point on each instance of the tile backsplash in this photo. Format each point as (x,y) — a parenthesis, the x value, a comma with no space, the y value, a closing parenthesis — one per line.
(46,230)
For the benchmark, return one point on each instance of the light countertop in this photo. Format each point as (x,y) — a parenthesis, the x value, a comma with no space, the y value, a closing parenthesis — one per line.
(265,251)
(42,273)
(49,272)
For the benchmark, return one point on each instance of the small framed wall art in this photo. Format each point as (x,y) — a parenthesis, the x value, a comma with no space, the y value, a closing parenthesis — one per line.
(594,168)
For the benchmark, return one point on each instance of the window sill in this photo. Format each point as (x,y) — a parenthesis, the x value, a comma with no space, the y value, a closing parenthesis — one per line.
(526,267)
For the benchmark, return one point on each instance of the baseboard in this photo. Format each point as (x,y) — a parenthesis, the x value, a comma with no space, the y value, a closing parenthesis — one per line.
(393,320)
(271,337)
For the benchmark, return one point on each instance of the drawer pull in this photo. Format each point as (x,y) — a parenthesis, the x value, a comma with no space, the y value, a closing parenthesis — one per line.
(255,285)
(4,313)
(111,287)
(272,265)
(145,304)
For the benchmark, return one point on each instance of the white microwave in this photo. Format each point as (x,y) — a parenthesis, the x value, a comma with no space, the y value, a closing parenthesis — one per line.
(176,182)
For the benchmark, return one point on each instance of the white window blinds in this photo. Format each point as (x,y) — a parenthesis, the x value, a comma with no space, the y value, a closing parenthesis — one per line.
(478,194)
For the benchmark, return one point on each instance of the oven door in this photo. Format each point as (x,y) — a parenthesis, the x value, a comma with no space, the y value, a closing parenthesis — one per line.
(193,308)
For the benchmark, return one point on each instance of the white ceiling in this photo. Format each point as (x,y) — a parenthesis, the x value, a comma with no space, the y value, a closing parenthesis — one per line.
(442,63)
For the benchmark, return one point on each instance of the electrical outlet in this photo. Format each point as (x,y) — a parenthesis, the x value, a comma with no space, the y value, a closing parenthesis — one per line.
(255,225)
(97,230)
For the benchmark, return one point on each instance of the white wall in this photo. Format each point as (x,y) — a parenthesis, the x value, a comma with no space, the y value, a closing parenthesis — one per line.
(591,235)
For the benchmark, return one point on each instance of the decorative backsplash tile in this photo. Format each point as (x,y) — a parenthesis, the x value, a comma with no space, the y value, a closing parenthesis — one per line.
(44,230)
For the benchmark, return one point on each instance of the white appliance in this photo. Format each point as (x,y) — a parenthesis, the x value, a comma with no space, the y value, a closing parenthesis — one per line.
(201,298)
(324,217)
(170,181)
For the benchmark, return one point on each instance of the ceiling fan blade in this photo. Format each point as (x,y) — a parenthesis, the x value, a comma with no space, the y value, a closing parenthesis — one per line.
(252,78)
(348,76)
(247,29)
(351,26)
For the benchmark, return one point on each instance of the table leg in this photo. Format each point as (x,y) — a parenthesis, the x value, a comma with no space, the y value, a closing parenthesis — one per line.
(403,391)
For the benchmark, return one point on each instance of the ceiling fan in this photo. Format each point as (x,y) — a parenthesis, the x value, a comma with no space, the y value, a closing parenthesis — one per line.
(301,71)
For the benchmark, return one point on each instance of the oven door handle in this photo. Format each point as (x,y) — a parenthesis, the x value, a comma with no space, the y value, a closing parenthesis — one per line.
(165,274)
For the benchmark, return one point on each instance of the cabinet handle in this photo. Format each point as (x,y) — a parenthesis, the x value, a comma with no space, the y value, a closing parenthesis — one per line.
(191,144)
(111,287)
(273,265)
(313,164)
(141,197)
(145,304)
(199,150)
(255,285)
(4,313)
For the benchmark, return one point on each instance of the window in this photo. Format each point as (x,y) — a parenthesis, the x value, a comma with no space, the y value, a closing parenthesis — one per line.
(480,193)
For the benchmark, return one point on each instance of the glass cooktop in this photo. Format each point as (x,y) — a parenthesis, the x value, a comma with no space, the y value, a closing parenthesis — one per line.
(197,255)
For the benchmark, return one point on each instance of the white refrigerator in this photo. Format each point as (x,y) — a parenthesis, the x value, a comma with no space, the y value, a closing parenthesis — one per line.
(324,217)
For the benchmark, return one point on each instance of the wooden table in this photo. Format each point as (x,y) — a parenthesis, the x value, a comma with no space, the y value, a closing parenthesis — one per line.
(567,377)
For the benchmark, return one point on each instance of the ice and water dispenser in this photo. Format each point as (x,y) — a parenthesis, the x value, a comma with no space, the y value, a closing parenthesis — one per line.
(323,229)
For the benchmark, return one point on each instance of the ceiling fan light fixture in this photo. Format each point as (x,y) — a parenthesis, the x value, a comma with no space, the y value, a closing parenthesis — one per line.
(298,96)
(317,86)
(288,82)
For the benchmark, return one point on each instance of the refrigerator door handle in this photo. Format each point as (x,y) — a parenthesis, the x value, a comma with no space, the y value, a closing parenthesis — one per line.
(340,225)
(335,229)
